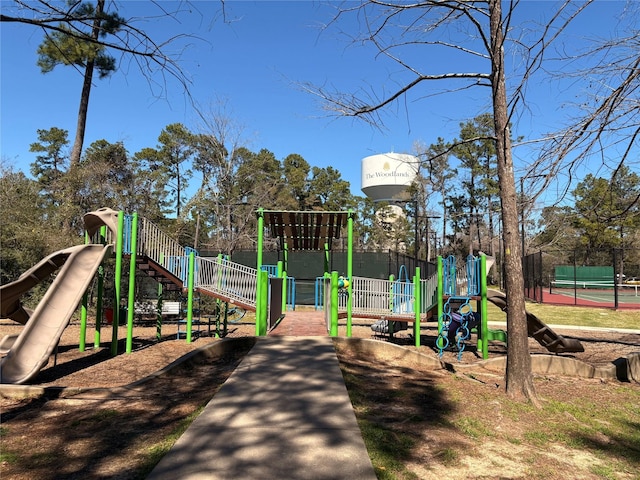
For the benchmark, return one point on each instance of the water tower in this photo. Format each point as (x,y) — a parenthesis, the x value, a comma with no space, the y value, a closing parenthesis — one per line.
(387,176)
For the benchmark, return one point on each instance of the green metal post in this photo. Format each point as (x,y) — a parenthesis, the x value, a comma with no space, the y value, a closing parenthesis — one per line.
(226,319)
(132,282)
(440,295)
(96,336)
(190,282)
(83,313)
(99,312)
(417,306)
(261,319)
(285,269)
(220,313)
(285,257)
(334,304)
(259,307)
(283,275)
(390,306)
(483,338)
(326,259)
(118,284)
(391,279)
(349,271)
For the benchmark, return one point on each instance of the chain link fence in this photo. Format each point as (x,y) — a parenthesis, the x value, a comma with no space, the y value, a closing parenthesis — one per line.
(593,278)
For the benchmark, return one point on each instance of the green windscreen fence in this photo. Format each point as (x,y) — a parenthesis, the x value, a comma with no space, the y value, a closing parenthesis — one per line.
(307,265)
(595,274)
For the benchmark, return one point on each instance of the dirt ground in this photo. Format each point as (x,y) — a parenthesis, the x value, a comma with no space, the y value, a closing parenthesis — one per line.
(100,426)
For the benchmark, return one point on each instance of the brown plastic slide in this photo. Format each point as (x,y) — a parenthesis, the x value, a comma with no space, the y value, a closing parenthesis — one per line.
(28,352)
(31,349)
(10,294)
(538,329)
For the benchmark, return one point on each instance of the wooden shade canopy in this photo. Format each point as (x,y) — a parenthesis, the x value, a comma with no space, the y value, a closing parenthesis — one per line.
(305,230)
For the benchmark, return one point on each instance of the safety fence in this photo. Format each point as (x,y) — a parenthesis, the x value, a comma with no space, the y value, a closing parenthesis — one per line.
(228,279)
(372,297)
(218,276)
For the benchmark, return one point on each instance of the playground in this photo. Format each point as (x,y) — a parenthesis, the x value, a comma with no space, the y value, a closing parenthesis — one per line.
(113,411)
(455,297)
(118,426)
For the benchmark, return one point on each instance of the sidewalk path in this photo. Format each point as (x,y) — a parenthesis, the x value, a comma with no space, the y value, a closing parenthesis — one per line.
(283,414)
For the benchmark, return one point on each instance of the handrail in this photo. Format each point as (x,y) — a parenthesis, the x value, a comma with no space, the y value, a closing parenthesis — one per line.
(375,297)
(234,281)
(221,277)
(161,248)
(428,293)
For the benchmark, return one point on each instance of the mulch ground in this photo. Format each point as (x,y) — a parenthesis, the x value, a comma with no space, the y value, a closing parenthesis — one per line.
(102,425)
(70,367)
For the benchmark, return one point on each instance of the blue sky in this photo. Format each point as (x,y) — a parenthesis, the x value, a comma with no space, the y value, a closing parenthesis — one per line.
(256,63)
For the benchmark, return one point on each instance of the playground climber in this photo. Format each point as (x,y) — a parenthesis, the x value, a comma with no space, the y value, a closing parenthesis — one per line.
(473,320)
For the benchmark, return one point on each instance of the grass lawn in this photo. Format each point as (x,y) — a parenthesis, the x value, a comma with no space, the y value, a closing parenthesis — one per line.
(575,316)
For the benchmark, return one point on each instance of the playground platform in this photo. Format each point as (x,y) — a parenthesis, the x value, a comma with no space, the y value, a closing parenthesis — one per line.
(283,413)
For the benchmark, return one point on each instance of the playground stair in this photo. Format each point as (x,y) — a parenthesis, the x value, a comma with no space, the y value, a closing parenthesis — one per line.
(169,281)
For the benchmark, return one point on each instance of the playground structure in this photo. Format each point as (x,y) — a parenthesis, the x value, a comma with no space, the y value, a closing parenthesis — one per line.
(162,258)
(179,268)
(398,302)
(452,289)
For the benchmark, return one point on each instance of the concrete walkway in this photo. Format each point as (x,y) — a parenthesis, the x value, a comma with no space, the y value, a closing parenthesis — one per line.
(284,413)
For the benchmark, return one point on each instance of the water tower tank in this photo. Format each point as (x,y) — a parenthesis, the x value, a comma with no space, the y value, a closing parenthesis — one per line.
(387,176)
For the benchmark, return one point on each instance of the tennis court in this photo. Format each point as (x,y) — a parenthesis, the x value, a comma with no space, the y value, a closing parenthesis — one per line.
(596,294)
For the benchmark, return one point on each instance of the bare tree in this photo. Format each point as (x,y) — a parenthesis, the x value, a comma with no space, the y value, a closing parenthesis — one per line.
(220,205)
(474,33)
(76,33)
(607,123)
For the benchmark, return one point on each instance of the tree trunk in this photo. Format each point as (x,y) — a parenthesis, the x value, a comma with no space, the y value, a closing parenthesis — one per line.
(178,189)
(519,379)
(76,151)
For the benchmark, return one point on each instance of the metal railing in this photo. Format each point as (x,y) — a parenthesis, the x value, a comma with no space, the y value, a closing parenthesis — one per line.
(217,276)
(226,278)
(161,248)
(370,297)
(374,297)
(428,293)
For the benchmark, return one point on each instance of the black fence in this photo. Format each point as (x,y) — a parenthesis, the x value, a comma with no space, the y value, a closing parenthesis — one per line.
(620,288)
(532,271)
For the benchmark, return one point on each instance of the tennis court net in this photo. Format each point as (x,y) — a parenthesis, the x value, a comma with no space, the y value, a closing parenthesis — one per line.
(570,287)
